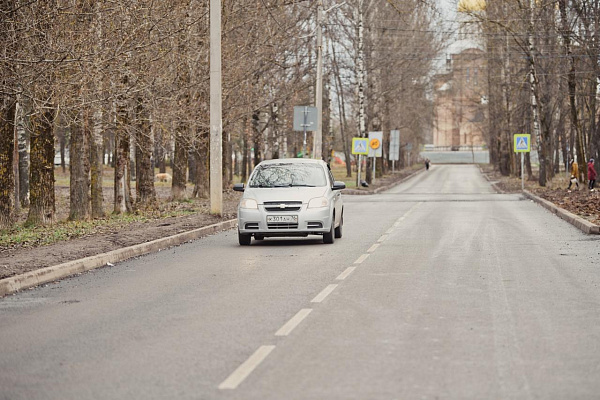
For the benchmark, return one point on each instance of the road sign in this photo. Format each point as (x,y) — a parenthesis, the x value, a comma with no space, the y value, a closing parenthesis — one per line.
(522,143)
(305,118)
(375,140)
(394,145)
(360,145)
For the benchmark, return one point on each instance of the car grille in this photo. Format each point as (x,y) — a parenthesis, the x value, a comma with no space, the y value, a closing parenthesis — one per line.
(314,225)
(283,205)
(282,225)
(252,225)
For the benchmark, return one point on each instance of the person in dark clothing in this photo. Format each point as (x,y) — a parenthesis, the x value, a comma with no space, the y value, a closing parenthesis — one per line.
(591,175)
(427,163)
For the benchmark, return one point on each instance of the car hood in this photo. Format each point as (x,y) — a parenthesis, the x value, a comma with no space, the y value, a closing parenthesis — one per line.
(303,194)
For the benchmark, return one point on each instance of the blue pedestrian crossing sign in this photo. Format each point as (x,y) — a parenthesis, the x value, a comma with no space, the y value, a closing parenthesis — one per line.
(360,145)
(522,143)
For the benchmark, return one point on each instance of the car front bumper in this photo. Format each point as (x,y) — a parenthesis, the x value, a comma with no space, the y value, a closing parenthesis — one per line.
(311,221)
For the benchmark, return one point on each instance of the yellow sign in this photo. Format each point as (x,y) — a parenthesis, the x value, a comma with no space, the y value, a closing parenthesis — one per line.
(359,145)
(522,143)
(375,144)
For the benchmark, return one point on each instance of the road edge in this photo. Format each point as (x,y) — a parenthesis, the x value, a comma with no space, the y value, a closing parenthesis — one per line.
(30,279)
(578,222)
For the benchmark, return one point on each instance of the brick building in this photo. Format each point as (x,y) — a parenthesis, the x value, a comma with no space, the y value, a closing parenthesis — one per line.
(459,101)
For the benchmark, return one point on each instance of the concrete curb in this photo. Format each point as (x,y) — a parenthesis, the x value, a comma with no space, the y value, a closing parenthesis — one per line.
(578,222)
(49,274)
(496,188)
(353,192)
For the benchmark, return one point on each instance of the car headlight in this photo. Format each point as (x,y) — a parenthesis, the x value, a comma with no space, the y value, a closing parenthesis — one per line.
(318,202)
(249,203)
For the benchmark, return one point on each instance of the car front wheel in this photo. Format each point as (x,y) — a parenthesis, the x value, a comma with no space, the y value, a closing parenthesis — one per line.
(329,237)
(338,230)
(244,239)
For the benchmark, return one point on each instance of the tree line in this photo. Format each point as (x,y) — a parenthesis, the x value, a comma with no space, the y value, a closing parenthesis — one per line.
(543,71)
(127,82)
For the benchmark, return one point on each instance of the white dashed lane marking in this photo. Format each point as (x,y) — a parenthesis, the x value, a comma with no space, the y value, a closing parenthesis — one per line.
(293,322)
(346,273)
(373,248)
(361,259)
(324,293)
(244,370)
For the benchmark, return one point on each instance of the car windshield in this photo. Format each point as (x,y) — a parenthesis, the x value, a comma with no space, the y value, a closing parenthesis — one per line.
(288,175)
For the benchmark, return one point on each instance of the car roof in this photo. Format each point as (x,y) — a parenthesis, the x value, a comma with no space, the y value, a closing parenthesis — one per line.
(292,161)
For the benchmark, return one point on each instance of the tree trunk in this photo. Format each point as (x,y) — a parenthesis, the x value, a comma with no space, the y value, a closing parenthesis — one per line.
(23,143)
(256,136)
(159,146)
(180,165)
(122,186)
(202,181)
(96,165)
(227,160)
(342,111)
(360,81)
(533,83)
(42,207)
(7,177)
(79,169)
(245,151)
(145,192)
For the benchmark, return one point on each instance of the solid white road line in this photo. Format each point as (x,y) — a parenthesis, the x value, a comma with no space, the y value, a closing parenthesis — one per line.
(373,248)
(361,259)
(326,292)
(346,273)
(382,238)
(244,370)
(294,322)
(389,231)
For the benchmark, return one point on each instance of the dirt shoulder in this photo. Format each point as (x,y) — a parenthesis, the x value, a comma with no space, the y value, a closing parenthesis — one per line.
(582,202)
(107,234)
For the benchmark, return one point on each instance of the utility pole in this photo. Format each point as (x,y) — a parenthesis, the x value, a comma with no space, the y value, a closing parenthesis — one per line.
(216,123)
(318,137)
(318,140)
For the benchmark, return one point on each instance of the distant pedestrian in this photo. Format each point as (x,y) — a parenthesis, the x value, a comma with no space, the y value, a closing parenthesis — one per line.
(427,163)
(574,173)
(591,175)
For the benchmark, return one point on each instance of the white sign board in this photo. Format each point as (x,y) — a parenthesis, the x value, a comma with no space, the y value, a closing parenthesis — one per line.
(375,144)
(394,145)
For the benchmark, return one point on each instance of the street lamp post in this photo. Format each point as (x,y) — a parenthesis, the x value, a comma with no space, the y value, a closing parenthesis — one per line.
(318,142)
(216,123)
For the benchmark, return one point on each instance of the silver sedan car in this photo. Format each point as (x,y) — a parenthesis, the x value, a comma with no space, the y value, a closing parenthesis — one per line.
(290,197)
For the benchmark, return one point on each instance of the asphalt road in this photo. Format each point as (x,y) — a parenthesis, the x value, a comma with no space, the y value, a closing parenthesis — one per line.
(440,288)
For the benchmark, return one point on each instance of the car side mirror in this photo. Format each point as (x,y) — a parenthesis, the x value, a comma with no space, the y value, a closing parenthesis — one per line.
(338,185)
(239,187)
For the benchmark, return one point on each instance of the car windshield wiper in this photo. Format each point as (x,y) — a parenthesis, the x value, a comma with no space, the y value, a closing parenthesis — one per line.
(301,184)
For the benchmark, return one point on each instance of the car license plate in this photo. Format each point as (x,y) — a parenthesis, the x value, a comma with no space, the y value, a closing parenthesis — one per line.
(283,218)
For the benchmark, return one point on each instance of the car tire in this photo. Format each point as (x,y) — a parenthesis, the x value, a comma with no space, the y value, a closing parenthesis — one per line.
(338,230)
(244,239)
(259,237)
(329,237)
